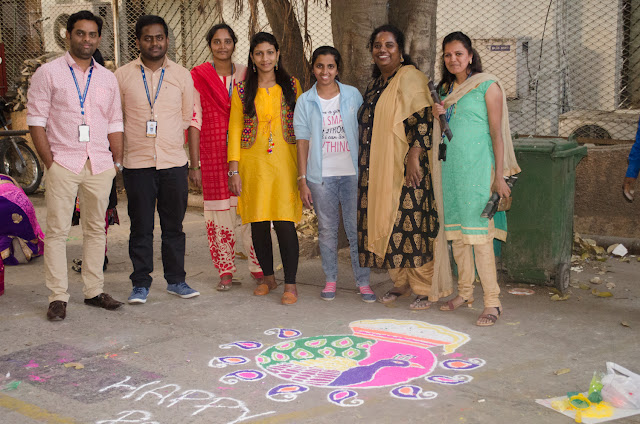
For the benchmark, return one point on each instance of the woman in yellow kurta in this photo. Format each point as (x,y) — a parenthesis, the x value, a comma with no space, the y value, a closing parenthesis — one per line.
(262,160)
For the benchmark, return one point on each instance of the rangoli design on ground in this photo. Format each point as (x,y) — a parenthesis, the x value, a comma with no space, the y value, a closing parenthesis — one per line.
(379,353)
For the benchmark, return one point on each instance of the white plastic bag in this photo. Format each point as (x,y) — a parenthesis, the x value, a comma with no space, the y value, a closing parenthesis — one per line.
(621,387)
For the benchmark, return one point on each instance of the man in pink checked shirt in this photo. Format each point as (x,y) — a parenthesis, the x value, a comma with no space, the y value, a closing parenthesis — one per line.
(75,116)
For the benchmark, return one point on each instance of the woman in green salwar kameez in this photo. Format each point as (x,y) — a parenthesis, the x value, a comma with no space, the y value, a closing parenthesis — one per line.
(479,156)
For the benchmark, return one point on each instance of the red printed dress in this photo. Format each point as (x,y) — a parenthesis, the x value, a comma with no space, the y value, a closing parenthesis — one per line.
(211,117)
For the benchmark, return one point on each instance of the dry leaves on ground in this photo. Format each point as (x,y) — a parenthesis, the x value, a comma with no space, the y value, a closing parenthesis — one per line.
(597,293)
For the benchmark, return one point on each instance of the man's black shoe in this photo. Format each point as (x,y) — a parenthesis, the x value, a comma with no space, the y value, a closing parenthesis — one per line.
(57,310)
(103,300)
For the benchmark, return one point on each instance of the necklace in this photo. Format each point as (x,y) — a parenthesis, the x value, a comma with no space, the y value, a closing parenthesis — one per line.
(233,71)
(451,110)
(270,142)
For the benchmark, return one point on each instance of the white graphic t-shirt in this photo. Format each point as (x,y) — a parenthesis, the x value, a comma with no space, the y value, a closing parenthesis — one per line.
(336,157)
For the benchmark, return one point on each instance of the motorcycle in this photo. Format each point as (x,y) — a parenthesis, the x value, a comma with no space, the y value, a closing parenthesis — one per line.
(17,159)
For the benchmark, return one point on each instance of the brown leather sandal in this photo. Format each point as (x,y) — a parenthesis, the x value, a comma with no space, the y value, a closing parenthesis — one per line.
(491,317)
(267,284)
(450,306)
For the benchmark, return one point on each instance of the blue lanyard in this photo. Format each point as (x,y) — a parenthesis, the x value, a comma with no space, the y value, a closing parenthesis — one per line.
(233,71)
(146,87)
(82,97)
(450,108)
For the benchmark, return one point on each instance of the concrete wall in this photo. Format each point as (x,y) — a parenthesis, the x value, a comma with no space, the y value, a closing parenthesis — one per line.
(593,36)
(599,205)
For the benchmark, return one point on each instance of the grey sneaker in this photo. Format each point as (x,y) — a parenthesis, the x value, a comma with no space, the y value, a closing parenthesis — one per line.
(367,294)
(329,292)
(183,290)
(138,295)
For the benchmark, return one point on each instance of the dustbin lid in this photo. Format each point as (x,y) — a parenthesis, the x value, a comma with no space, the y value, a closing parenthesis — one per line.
(555,147)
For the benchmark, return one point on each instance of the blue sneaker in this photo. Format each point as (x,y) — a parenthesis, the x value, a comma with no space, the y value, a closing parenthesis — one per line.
(329,292)
(367,294)
(183,290)
(138,295)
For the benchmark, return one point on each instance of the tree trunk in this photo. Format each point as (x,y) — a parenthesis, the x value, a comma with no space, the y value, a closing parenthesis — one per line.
(417,19)
(284,25)
(352,22)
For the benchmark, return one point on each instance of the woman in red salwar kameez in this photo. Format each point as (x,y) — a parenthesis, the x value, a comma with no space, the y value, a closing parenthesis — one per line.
(214,83)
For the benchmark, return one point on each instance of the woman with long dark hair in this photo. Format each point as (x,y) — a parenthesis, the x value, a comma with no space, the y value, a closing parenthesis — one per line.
(398,221)
(326,126)
(214,82)
(262,160)
(478,158)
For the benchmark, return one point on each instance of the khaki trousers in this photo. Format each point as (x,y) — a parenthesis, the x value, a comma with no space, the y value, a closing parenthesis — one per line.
(93,193)
(418,279)
(485,263)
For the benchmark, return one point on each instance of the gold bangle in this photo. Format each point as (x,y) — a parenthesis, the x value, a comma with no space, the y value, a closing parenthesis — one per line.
(194,168)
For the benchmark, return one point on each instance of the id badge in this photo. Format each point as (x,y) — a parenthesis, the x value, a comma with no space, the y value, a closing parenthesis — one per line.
(83,133)
(152,129)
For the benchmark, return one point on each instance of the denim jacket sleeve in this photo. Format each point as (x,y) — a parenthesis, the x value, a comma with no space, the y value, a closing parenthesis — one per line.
(300,119)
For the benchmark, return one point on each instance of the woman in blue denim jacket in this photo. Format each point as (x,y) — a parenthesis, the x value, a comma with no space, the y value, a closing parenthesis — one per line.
(326,127)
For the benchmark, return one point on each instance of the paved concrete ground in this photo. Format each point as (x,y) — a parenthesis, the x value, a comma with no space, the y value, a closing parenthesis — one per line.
(162,353)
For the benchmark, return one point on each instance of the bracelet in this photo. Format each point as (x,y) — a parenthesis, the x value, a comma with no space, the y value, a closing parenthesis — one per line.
(302,177)
(194,168)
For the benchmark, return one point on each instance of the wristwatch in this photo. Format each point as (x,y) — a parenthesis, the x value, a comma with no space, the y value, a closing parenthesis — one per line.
(232,173)
(119,166)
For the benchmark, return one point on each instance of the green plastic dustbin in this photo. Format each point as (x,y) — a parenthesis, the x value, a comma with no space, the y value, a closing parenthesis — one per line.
(540,222)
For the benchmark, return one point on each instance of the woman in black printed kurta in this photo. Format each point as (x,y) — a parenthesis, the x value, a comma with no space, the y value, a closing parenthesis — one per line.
(409,251)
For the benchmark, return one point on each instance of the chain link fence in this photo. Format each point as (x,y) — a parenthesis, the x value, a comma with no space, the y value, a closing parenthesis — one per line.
(570,67)
(188,23)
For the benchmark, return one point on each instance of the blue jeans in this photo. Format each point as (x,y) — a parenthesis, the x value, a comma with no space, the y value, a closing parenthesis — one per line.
(327,196)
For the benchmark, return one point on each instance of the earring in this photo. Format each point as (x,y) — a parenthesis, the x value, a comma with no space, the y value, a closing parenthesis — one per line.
(470,62)
(254,68)
(276,66)
(401,59)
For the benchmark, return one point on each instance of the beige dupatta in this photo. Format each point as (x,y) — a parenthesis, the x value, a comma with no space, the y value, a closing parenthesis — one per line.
(510,165)
(406,94)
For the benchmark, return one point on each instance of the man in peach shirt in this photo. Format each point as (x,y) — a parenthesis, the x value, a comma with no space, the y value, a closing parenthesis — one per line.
(157,102)
(74,116)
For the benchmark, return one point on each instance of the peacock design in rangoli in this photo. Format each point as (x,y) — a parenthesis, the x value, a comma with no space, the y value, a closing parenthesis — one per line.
(379,353)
